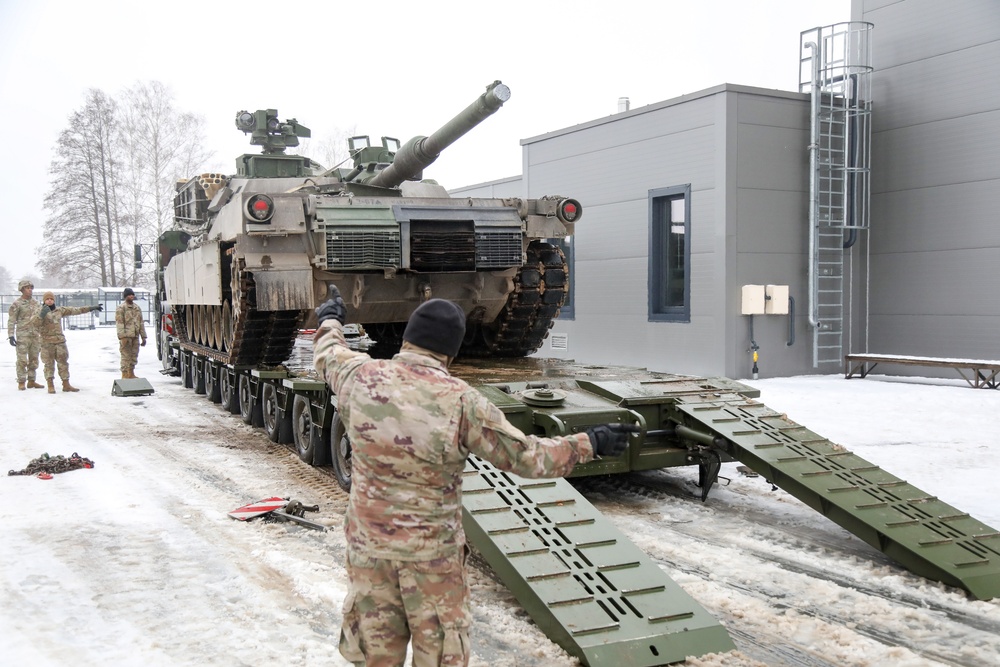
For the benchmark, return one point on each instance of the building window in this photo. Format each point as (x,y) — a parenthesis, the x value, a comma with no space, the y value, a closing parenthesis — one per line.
(670,254)
(566,245)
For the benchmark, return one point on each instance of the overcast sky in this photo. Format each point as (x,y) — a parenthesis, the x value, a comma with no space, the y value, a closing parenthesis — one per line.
(387,68)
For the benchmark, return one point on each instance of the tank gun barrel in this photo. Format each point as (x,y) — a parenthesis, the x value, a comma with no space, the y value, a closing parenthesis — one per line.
(419,152)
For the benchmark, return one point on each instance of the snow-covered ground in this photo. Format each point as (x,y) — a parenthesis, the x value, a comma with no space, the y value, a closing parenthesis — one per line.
(135,562)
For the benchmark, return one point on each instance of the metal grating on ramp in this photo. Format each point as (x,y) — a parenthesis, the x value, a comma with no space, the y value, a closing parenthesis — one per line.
(919,531)
(586,586)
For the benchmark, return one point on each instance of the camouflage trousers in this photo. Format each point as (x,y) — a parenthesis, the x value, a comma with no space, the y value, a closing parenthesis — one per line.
(54,354)
(392,602)
(129,348)
(28,348)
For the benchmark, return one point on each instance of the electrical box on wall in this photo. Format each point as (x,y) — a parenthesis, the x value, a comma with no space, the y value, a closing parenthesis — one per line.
(776,299)
(753,300)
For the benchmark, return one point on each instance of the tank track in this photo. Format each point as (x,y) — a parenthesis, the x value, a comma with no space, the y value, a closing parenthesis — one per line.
(259,338)
(540,289)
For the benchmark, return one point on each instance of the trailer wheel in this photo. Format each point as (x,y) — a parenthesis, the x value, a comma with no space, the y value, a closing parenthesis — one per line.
(302,427)
(186,371)
(340,452)
(227,391)
(210,372)
(277,425)
(250,409)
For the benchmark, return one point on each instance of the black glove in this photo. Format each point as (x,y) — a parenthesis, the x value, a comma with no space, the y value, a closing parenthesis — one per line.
(99,308)
(610,439)
(13,343)
(44,311)
(333,307)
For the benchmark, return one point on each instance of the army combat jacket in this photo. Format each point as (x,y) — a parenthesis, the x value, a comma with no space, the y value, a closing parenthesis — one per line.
(50,326)
(411,426)
(23,314)
(128,320)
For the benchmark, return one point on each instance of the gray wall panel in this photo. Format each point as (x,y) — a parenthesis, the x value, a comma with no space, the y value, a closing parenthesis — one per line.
(949,151)
(772,221)
(954,84)
(914,29)
(772,158)
(935,335)
(950,282)
(950,217)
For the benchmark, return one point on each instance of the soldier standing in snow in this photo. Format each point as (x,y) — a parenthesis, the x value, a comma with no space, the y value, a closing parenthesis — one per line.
(54,350)
(411,426)
(130,325)
(23,316)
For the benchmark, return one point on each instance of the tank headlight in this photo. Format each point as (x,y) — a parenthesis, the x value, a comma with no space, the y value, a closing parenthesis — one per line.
(569,210)
(260,208)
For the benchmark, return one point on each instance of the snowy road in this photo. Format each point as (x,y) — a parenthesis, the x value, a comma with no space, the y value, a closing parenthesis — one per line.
(136,562)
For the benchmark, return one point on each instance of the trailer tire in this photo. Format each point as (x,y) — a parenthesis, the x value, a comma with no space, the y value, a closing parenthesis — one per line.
(340,452)
(211,375)
(228,392)
(186,379)
(277,425)
(249,406)
(302,428)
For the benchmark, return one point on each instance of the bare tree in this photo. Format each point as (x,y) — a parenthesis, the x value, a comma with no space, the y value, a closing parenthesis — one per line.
(113,179)
(80,235)
(162,145)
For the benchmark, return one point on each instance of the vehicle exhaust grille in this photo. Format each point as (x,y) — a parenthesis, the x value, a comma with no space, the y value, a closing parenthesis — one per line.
(499,249)
(349,250)
(437,250)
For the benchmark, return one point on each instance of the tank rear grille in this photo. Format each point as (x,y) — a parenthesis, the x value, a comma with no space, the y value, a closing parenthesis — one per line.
(350,250)
(498,249)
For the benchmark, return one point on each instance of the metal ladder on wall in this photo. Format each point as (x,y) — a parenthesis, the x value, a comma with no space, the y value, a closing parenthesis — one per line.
(835,68)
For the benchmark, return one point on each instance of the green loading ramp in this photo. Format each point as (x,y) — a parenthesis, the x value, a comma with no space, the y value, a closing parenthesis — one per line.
(584,584)
(925,535)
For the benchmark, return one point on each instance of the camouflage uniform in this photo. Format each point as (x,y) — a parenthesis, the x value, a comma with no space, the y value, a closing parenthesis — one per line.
(54,350)
(23,316)
(411,426)
(130,325)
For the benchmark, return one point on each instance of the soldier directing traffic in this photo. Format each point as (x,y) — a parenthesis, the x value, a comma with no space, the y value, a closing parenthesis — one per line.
(23,317)
(54,350)
(130,325)
(411,426)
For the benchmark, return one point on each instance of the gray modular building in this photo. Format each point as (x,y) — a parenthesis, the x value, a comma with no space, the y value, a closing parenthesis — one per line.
(858,215)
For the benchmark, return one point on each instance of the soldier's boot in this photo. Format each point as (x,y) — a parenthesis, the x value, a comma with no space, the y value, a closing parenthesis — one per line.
(51,387)
(68,387)
(131,374)
(20,386)
(34,385)
(124,375)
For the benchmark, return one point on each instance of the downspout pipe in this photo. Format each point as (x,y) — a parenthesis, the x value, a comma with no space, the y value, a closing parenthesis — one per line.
(813,194)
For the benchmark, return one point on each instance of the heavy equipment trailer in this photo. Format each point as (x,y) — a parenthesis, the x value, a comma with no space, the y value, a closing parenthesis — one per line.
(592,591)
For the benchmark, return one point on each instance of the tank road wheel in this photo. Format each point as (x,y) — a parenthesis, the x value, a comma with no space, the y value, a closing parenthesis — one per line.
(250,410)
(340,452)
(215,328)
(302,428)
(228,391)
(277,425)
(226,341)
(210,372)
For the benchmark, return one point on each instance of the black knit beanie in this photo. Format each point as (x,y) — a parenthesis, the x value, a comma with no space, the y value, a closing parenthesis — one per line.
(437,325)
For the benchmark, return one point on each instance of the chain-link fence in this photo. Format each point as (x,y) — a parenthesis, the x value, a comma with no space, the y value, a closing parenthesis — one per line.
(110,298)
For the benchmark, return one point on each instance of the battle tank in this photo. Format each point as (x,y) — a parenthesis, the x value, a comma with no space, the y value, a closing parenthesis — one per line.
(266,242)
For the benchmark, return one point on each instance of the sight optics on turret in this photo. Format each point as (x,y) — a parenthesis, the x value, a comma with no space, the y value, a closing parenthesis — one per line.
(268,131)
